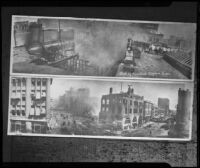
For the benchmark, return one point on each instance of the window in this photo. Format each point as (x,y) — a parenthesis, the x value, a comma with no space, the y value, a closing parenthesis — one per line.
(103,101)
(38,82)
(135,110)
(127,121)
(136,104)
(23,113)
(23,82)
(17,126)
(13,82)
(107,101)
(18,82)
(106,108)
(18,112)
(124,101)
(134,119)
(130,111)
(103,108)
(37,128)
(140,110)
(23,98)
(13,112)
(33,82)
(131,102)
(43,82)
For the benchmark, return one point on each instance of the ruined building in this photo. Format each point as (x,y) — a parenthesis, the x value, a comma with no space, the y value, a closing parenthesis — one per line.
(21,33)
(125,108)
(182,126)
(29,105)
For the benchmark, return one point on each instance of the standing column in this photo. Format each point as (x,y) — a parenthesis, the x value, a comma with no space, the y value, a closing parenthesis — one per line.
(181,128)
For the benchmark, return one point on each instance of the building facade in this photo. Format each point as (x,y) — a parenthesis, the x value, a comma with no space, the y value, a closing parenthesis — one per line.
(163,105)
(29,105)
(125,109)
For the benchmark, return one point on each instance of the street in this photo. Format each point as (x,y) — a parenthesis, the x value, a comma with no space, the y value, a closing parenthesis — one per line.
(152,66)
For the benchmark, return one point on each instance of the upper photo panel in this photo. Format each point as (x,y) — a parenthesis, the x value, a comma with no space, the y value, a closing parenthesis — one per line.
(102,48)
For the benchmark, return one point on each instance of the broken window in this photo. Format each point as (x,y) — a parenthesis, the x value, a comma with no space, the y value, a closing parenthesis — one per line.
(127,121)
(17,126)
(134,119)
(13,82)
(38,82)
(37,128)
(33,82)
(107,101)
(136,104)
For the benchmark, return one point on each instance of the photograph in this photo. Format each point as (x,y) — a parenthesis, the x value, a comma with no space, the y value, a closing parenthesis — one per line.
(102,48)
(64,107)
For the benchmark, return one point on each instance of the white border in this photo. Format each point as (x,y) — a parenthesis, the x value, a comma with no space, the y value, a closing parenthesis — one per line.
(96,19)
(109,137)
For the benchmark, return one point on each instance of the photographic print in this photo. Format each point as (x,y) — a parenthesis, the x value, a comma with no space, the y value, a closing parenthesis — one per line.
(64,107)
(105,48)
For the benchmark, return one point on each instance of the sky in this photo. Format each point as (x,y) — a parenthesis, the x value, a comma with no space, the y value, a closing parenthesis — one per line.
(150,91)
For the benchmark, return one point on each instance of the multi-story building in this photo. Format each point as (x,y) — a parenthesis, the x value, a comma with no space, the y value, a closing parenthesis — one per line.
(125,108)
(163,104)
(29,104)
(148,111)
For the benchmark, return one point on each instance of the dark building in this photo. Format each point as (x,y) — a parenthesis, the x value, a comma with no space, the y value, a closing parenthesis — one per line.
(163,103)
(124,108)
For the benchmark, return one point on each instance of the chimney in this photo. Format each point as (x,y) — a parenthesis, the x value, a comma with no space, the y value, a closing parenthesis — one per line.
(132,90)
(111,90)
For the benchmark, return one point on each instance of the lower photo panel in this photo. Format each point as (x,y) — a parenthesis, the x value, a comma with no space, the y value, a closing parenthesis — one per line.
(133,109)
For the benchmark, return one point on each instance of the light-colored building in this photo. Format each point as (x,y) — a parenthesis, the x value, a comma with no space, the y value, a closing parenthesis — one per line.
(29,104)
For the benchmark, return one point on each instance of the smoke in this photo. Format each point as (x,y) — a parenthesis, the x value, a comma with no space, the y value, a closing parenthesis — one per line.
(104,43)
(79,103)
